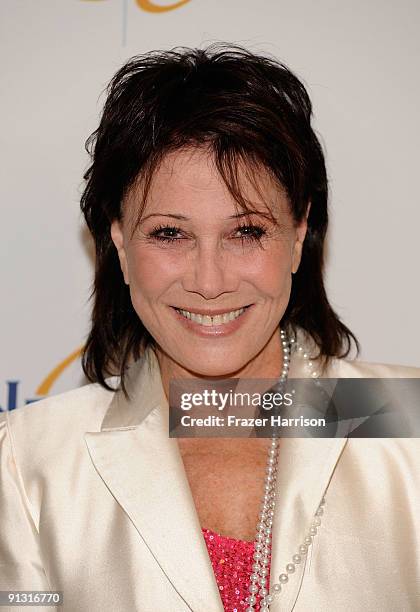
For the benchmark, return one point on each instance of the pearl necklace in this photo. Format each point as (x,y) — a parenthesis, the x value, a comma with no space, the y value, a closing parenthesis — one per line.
(262,544)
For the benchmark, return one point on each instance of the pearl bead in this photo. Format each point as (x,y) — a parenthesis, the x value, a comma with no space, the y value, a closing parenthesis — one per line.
(283,578)
(253,588)
(308,540)
(263,592)
(296,558)
(290,568)
(320,511)
(251,599)
(303,549)
(269,599)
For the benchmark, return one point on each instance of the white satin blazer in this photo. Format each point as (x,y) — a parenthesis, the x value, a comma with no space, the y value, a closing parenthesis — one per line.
(94,501)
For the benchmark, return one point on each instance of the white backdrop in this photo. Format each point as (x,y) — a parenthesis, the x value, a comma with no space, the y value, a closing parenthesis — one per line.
(360,62)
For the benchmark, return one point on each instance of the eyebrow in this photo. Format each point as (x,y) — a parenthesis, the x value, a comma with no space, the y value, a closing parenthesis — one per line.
(184,218)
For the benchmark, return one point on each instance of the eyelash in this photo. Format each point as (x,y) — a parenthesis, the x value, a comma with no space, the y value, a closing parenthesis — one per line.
(261,231)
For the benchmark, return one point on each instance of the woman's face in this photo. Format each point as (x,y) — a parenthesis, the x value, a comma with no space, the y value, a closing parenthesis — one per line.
(191,252)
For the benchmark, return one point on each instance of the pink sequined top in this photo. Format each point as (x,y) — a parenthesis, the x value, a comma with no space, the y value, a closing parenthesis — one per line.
(232,564)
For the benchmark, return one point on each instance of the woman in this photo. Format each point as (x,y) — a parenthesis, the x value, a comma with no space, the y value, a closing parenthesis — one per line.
(207,201)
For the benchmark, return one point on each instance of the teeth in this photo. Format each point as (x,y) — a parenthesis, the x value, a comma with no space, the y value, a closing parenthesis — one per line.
(209,321)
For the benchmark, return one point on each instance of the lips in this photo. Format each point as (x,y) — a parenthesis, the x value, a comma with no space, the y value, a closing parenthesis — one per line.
(220,319)
(222,325)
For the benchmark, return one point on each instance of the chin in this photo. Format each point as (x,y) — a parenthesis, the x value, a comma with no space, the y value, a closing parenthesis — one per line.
(208,368)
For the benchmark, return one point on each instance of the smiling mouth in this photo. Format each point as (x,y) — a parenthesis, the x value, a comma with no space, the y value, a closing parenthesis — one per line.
(209,321)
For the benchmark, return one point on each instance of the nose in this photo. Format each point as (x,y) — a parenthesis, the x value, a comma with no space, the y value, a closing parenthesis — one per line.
(210,271)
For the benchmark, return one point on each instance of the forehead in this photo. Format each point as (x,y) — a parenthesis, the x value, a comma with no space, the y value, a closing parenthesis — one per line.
(189,179)
(187,170)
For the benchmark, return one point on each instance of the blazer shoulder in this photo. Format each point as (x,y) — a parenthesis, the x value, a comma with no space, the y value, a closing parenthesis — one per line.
(79,409)
(346,368)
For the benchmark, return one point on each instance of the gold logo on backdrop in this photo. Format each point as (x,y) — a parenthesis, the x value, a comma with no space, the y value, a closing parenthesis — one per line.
(150,7)
(50,379)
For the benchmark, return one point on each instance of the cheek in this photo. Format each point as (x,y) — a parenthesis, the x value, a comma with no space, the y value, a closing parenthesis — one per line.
(150,272)
(271,272)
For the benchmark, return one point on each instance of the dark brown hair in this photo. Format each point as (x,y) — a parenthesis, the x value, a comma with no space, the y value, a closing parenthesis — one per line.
(245,108)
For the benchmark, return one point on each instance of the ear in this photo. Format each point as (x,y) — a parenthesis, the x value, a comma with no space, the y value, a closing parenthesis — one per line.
(118,240)
(299,239)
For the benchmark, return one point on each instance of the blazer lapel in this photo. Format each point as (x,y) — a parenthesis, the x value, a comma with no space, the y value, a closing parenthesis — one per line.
(305,469)
(143,469)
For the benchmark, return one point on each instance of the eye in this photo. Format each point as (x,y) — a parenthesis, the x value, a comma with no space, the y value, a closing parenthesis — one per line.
(251,232)
(165,233)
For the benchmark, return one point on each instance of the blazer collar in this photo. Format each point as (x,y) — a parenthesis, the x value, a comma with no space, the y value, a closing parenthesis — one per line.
(145,389)
(143,469)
